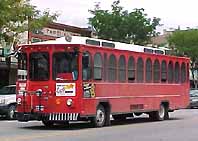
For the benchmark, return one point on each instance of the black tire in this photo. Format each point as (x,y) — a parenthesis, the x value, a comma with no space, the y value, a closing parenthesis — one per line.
(100,119)
(11,112)
(48,123)
(160,115)
(166,113)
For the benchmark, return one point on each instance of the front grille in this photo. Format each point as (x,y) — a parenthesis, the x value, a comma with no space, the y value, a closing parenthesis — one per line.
(63,116)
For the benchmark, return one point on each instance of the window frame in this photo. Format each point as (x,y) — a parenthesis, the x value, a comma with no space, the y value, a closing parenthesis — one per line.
(149,70)
(97,66)
(89,75)
(131,69)
(48,67)
(112,68)
(92,42)
(163,71)
(177,73)
(122,68)
(156,71)
(53,70)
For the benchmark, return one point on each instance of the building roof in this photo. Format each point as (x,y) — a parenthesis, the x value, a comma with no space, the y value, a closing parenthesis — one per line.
(70,28)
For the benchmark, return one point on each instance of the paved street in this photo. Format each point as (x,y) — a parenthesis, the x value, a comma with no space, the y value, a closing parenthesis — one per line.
(182,126)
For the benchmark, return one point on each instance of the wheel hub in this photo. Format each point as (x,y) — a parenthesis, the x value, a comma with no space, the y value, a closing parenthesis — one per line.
(162,112)
(100,116)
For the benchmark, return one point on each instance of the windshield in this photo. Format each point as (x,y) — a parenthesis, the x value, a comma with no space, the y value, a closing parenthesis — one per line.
(39,66)
(65,66)
(7,90)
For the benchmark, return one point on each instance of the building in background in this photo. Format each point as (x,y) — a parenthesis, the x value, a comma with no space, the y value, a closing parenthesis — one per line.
(162,40)
(8,66)
(57,30)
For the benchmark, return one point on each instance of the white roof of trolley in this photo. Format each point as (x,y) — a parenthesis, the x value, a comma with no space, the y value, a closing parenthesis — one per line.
(102,43)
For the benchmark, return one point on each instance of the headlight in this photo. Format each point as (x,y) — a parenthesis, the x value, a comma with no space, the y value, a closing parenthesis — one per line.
(19,101)
(69,102)
(39,92)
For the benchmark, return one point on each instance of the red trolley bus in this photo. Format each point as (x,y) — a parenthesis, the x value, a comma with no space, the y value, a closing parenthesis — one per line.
(58,83)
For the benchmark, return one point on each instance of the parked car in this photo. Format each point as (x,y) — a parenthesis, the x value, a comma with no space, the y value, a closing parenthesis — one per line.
(193,99)
(8,101)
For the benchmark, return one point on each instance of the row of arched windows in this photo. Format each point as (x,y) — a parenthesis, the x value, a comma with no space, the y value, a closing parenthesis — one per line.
(131,70)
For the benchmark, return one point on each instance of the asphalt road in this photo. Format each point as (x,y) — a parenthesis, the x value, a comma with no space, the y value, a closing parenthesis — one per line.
(182,126)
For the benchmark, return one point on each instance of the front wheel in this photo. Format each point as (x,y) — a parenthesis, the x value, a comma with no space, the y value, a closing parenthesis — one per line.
(99,119)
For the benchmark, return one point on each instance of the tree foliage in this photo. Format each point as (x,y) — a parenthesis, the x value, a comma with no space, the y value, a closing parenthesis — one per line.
(185,42)
(120,25)
(14,16)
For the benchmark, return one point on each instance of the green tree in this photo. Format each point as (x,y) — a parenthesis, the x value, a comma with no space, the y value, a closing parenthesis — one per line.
(17,16)
(118,24)
(185,43)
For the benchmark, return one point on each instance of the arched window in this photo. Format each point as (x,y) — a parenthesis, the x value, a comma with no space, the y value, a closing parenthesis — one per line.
(112,68)
(163,71)
(156,72)
(148,70)
(140,70)
(183,73)
(97,66)
(170,72)
(177,72)
(86,66)
(131,69)
(122,69)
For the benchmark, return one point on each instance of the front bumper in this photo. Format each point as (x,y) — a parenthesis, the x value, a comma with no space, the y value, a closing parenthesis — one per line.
(24,117)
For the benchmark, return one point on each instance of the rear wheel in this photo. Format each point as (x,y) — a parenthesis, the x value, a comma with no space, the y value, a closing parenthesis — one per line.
(11,112)
(160,115)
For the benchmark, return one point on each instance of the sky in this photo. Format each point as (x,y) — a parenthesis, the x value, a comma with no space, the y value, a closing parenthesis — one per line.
(173,13)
